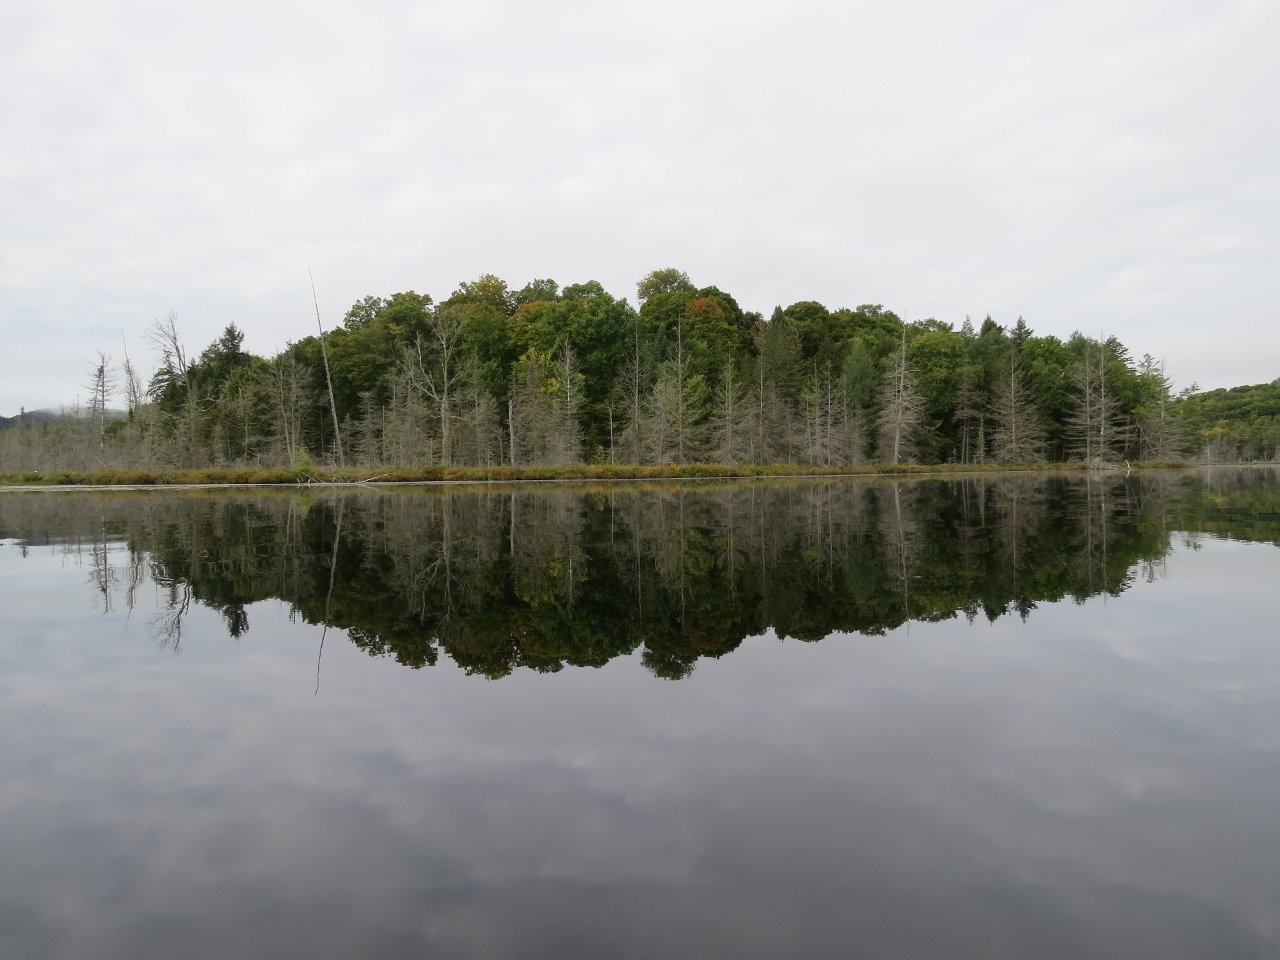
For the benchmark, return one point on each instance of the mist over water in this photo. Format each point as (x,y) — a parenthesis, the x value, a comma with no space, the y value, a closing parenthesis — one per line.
(1025,716)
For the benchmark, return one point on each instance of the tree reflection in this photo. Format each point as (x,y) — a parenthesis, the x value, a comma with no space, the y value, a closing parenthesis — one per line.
(502,578)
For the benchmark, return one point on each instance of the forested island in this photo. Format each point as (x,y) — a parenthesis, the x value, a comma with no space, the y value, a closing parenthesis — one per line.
(546,377)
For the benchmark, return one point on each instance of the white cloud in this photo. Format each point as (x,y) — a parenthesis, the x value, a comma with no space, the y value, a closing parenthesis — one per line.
(1095,165)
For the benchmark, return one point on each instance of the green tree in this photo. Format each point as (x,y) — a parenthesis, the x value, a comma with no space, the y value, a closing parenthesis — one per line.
(598,328)
(669,280)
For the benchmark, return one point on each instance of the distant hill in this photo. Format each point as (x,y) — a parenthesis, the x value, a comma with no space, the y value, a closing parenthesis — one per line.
(30,417)
(1243,420)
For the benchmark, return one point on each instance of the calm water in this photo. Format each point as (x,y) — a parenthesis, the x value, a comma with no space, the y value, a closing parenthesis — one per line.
(1017,718)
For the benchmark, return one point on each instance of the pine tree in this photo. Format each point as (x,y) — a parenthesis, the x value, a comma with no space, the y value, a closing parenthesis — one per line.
(774,381)
(675,427)
(479,431)
(546,409)
(533,410)
(364,434)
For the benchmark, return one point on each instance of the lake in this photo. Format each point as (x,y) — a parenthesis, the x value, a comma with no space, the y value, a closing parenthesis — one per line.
(1022,716)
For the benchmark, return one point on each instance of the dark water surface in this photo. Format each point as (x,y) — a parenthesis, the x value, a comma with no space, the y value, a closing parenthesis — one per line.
(1027,717)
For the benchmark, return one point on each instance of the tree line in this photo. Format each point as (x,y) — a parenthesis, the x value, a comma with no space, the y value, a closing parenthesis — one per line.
(548,376)
(1236,423)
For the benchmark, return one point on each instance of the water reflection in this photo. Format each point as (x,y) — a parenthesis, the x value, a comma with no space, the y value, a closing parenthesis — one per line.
(1076,779)
(541,578)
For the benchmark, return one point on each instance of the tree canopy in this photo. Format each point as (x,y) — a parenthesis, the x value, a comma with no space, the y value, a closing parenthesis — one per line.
(810,384)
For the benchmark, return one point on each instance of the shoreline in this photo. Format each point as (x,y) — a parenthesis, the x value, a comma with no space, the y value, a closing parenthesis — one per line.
(481,476)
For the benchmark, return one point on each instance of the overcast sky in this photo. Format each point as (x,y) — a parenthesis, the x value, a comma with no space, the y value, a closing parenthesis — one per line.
(1103,166)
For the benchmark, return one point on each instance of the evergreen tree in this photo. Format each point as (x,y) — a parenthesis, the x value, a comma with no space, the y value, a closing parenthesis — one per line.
(678,409)
(533,417)
(776,375)
(480,439)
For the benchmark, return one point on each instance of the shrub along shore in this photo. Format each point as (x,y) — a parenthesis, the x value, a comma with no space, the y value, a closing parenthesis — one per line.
(598,472)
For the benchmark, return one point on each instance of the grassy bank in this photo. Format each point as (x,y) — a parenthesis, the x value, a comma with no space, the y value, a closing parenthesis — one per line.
(317,475)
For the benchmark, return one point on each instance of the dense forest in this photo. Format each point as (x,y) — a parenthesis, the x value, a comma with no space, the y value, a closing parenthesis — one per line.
(549,376)
(1240,423)
(498,579)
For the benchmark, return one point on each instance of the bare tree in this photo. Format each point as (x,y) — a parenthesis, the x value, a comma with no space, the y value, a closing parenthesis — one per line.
(1094,429)
(690,397)
(435,369)
(291,397)
(901,408)
(967,414)
(511,430)
(176,370)
(834,428)
(408,433)
(1164,433)
(102,389)
(480,430)
(731,420)
(546,404)
(633,390)
(1019,428)
(138,436)
(568,401)
(328,378)
(133,395)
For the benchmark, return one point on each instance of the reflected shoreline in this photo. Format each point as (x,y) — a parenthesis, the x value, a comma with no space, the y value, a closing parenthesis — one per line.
(506,576)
